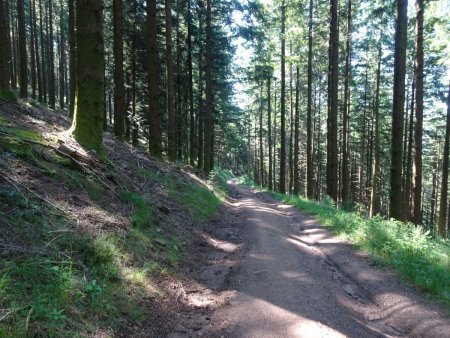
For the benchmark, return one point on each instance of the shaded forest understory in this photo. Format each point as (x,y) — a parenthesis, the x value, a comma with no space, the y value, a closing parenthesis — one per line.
(120,122)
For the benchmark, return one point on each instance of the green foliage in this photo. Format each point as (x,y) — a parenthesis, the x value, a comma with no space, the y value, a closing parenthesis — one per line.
(8,96)
(200,201)
(409,249)
(142,215)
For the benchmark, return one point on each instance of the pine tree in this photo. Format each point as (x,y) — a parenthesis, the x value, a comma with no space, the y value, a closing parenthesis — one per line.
(445,168)
(154,118)
(396,196)
(23,58)
(119,81)
(88,120)
(419,115)
(282,180)
(332,135)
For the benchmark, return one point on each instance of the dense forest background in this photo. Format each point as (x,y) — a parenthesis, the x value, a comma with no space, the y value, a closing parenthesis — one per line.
(338,100)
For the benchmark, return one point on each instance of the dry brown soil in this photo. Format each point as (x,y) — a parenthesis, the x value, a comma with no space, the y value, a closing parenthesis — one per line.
(272,271)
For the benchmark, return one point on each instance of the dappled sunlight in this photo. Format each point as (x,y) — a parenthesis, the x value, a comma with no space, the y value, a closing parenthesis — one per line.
(262,318)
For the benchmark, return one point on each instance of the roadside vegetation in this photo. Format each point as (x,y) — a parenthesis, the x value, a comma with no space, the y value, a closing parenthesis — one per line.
(412,251)
(84,249)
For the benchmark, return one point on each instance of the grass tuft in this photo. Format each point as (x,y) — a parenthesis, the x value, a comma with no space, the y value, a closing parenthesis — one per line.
(409,249)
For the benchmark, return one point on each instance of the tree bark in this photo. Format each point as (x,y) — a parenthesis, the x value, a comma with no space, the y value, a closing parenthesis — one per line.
(72,57)
(4,50)
(51,60)
(296,177)
(309,131)
(408,174)
(119,78)
(32,54)
(171,131)
(444,187)
(209,125)
(23,63)
(282,182)
(269,131)
(261,149)
(190,87)
(332,134)
(396,196)
(374,208)
(417,219)
(88,120)
(346,198)
(154,118)
(62,56)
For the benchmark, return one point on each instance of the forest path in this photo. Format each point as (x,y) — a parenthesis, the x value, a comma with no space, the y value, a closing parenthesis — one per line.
(296,279)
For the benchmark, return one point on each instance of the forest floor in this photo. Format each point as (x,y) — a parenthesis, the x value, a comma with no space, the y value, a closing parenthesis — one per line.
(282,274)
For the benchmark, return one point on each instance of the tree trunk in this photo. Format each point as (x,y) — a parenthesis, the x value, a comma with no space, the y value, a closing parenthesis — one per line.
(375,196)
(282,182)
(43,54)
(396,196)
(190,87)
(291,126)
(88,120)
(261,149)
(408,174)
(346,198)
(62,57)
(200,112)
(443,201)
(419,115)
(39,73)
(332,134)
(72,57)
(154,119)
(32,54)
(309,132)
(269,131)
(434,188)
(4,50)
(119,78)
(50,60)
(23,70)
(209,125)
(171,132)
(296,190)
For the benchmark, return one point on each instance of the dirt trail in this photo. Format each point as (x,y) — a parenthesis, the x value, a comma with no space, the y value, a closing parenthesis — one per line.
(295,279)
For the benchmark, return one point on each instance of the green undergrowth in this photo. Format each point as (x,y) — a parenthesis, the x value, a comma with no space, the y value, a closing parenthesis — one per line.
(409,249)
(8,96)
(61,280)
(57,281)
